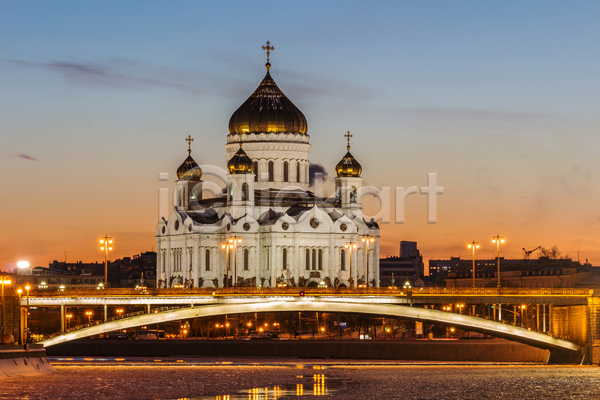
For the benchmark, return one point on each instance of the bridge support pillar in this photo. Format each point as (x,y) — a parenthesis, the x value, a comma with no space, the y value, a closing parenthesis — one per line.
(148,309)
(62,319)
(105,312)
(499,312)
(544,317)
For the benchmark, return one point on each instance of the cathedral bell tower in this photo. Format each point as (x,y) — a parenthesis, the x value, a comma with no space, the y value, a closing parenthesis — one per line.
(240,183)
(348,181)
(188,188)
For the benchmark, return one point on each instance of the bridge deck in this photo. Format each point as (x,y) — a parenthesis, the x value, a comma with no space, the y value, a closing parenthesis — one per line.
(153,296)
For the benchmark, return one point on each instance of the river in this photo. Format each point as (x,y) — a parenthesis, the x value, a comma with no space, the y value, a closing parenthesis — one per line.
(270,379)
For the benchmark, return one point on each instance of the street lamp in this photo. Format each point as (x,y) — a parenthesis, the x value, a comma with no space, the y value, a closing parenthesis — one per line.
(106,243)
(3,281)
(69,316)
(22,264)
(19,291)
(350,246)
(89,314)
(368,239)
(27,309)
(234,240)
(227,247)
(120,312)
(473,245)
(498,239)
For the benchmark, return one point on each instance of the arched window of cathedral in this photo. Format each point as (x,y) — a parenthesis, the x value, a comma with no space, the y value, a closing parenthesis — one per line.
(285,171)
(307,259)
(246,259)
(353,195)
(284,256)
(298,172)
(320,260)
(343,260)
(255,171)
(314,259)
(207,260)
(271,173)
(306,177)
(244,191)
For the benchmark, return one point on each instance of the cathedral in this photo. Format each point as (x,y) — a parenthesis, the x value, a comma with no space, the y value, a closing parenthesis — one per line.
(266,228)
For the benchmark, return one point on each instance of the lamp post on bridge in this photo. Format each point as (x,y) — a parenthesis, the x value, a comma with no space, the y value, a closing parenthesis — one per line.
(4,281)
(473,245)
(368,239)
(350,246)
(106,243)
(498,239)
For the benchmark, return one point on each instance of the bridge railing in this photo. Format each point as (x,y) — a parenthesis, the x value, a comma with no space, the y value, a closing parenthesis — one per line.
(287,291)
(98,322)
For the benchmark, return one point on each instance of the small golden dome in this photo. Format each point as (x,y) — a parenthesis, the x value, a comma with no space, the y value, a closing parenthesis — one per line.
(187,165)
(348,166)
(268,111)
(240,163)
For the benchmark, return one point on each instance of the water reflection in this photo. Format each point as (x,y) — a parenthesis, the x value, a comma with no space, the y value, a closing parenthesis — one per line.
(321,386)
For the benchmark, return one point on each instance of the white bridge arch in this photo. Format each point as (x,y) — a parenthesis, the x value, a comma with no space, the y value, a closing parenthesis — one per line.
(562,349)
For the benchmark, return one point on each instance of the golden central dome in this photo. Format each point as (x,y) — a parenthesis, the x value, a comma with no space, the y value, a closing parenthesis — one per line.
(268,110)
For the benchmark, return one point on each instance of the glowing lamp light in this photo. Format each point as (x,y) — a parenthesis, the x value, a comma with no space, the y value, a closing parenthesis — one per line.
(23,264)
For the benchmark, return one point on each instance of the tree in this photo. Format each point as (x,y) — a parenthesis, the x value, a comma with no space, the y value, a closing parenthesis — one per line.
(553,253)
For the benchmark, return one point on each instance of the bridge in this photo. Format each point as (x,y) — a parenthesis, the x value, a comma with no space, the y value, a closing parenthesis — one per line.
(485,310)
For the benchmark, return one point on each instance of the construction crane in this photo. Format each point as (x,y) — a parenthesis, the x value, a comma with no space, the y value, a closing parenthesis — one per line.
(527,253)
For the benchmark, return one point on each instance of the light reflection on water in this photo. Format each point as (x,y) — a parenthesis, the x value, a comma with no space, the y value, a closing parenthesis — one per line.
(319,383)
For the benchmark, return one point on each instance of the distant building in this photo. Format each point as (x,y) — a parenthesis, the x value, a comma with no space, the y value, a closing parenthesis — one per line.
(139,270)
(536,274)
(408,267)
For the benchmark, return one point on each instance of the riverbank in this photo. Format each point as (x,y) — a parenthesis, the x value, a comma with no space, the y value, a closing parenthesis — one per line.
(489,350)
(16,360)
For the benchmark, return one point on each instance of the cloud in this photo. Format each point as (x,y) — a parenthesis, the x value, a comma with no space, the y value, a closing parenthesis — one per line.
(315,169)
(22,156)
(109,74)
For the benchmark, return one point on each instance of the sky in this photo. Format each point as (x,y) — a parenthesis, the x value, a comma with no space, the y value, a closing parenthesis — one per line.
(500,99)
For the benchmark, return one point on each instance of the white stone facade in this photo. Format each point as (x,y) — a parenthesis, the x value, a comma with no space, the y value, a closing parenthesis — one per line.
(267,223)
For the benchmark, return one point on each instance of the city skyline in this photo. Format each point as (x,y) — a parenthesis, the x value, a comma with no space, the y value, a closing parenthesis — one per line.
(500,101)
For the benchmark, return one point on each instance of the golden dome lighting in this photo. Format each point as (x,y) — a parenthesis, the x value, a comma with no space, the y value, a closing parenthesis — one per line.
(189,162)
(240,163)
(267,110)
(348,166)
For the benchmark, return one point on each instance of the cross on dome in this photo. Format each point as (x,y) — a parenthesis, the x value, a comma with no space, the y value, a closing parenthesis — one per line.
(268,48)
(189,139)
(348,136)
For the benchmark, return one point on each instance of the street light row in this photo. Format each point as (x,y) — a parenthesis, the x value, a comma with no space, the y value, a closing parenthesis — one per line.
(475,245)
